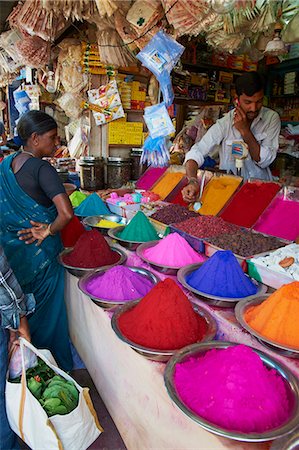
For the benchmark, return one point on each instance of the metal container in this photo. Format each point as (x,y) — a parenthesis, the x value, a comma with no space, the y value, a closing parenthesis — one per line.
(63,174)
(167,270)
(131,245)
(91,173)
(91,221)
(137,168)
(290,381)
(155,354)
(118,172)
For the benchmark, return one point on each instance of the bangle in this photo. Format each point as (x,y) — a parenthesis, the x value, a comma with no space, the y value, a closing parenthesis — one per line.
(49,230)
(193,180)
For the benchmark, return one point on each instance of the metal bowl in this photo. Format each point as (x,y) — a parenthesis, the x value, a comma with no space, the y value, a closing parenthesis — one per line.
(200,349)
(154,354)
(106,303)
(91,221)
(225,302)
(131,245)
(167,270)
(80,271)
(240,310)
(289,442)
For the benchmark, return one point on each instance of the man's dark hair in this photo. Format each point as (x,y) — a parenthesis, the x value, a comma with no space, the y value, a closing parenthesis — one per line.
(249,84)
(34,122)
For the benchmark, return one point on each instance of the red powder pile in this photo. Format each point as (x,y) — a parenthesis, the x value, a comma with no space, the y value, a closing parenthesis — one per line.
(249,203)
(71,232)
(164,319)
(90,251)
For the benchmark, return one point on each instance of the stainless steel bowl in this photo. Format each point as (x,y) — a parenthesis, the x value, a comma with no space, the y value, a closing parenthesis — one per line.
(224,302)
(154,354)
(91,221)
(240,311)
(289,379)
(106,303)
(80,271)
(289,442)
(131,245)
(167,270)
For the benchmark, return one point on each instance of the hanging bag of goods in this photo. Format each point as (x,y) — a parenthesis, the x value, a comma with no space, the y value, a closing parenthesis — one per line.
(50,410)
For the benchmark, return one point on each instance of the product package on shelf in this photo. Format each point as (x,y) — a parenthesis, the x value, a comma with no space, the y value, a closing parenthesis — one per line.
(107,100)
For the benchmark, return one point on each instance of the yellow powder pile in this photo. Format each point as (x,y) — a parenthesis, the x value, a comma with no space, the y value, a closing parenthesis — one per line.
(217,192)
(107,224)
(167,183)
(277,317)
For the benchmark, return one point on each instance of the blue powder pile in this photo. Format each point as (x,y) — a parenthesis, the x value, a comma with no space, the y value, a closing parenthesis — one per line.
(222,275)
(93,205)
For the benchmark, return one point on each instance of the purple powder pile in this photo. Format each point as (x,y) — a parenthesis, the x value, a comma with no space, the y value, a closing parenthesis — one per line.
(119,284)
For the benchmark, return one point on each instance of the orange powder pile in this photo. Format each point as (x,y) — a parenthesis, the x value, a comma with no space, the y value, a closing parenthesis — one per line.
(277,317)
(167,183)
(217,192)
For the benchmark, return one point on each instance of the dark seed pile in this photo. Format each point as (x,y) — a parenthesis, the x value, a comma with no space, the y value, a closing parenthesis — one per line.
(206,226)
(173,214)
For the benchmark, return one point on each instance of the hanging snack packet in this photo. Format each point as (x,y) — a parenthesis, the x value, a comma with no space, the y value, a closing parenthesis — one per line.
(158,121)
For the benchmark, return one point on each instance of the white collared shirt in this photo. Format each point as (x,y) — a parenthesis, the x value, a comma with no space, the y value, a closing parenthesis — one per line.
(265,128)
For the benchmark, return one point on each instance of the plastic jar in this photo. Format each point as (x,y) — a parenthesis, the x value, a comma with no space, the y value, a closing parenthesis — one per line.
(91,173)
(118,172)
(137,168)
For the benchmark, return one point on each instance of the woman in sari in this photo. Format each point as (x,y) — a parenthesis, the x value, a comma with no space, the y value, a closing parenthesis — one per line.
(34,209)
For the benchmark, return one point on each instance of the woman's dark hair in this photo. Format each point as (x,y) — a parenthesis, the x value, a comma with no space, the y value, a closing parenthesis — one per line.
(34,122)
(249,84)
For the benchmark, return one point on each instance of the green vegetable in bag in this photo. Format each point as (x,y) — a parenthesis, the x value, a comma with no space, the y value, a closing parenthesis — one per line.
(35,386)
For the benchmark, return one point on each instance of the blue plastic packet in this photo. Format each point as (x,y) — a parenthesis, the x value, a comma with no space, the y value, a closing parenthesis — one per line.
(155,152)
(158,121)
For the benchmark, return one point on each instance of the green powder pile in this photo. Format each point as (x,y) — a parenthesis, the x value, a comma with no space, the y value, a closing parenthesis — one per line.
(77,198)
(139,230)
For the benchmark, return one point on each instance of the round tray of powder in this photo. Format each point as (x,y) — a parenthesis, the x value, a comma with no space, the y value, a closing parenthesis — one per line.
(104,222)
(84,285)
(240,311)
(289,442)
(224,302)
(167,270)
(192,380)
(155,354)
(80,271)
(130,245)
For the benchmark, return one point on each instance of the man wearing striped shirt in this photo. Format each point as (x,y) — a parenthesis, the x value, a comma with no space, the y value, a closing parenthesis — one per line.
(14,306)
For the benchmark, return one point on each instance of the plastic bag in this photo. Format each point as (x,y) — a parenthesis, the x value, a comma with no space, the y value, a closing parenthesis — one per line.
(158,121)
(155,152)
(15,363)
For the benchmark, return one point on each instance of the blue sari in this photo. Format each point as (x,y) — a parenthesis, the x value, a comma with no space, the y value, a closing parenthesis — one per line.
(36,268)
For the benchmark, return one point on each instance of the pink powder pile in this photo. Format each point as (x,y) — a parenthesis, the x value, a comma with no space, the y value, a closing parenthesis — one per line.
(119,284)
(150,176)
(173,251)
(233,389)
(280,219)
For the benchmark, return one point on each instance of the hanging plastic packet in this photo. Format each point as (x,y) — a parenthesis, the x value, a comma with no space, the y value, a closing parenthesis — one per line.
(166,88)
(158,121)
(155,152)
(161,53)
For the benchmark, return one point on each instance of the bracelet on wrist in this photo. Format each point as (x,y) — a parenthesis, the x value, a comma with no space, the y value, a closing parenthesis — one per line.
(193,180)
(49,230)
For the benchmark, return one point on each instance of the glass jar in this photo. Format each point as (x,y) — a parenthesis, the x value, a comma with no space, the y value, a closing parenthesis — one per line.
(91,173)
(118,172)
(137,168)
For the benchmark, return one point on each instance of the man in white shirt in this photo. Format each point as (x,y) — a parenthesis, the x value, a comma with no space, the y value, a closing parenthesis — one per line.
(249,121)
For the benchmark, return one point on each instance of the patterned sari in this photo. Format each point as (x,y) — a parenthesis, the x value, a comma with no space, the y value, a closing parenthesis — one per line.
(36,268)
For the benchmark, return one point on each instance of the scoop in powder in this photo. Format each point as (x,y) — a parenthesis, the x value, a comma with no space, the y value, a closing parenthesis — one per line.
(233,389)
(173,251)
(222,275)
(139,230)
(119,284)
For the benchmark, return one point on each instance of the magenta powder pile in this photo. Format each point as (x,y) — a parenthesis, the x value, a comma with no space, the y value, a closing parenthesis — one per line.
(149,178)
(173,251)
(233,389)
(119,284)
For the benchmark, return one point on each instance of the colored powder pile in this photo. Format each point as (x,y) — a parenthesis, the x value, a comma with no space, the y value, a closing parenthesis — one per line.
(77,198)
(276,318)
(249,202)
(280,219)
(93,205)
(246,243)
(233,389)
(222,275)
(139,230)
(164,319)
(176,197)
(119,284)
(206,226)
(167,183)
(103,223)
(217,192)
(149,178)
(173,251)
(91,251)
(173,214)
(71,232)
